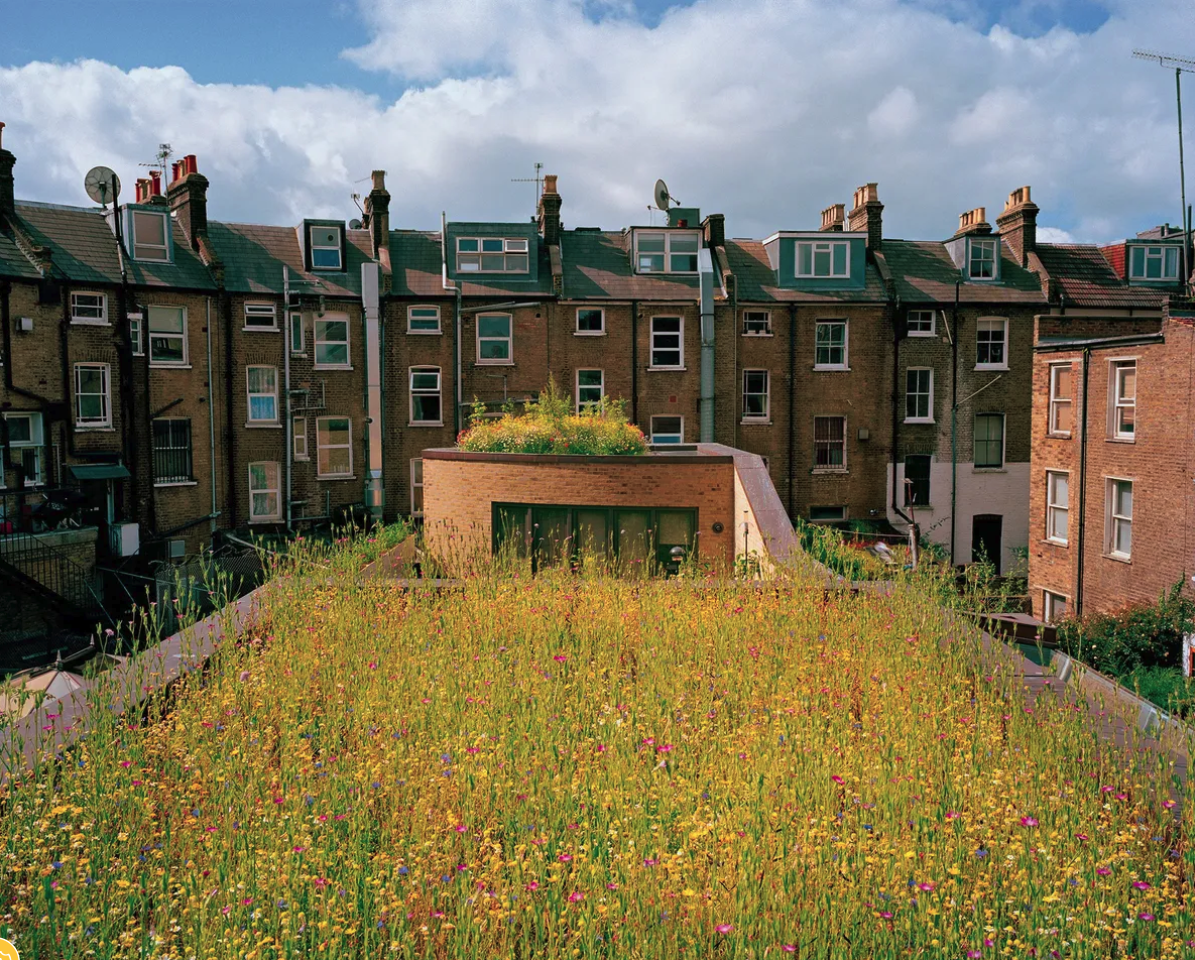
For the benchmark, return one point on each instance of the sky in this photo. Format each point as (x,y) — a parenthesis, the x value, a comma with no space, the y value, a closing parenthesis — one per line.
(767,111)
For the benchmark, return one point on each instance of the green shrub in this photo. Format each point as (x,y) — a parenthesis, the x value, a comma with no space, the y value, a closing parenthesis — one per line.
(1165,686)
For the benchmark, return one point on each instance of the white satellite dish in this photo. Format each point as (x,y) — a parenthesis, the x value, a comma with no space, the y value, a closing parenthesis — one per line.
(102,185)
(662,195)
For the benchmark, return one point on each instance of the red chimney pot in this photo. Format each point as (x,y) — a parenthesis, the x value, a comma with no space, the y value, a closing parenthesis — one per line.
(190,164)
(155,183)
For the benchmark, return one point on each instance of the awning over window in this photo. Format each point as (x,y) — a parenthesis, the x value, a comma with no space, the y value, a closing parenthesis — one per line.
(99,471)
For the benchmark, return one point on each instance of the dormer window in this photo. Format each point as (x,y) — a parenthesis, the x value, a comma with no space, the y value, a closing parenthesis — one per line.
(823,259)
(672,252)
(981,260)
(492,254)
(150,238)
(325,248)
(1153,263)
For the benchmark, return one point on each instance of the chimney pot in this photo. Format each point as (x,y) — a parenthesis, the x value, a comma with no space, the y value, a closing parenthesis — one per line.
(1018,225)
(190,165)
(549,183)
(867,214)
(1,133)
(142,189)
(378,178)
(155,180)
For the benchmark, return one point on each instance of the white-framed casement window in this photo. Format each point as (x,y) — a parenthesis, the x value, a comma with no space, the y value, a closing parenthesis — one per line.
(334,447)
(325,247)
(1123,408)
(830,345)
(135,322)
(423,319)
(417,487)
(591,387)
(262,388)
(25,441)
(168,336)
(826,514)
(88,307)
(670,251)
(667,343)
(1060,400)
(756,395)
(991,343)
(332,342)
(172,451)
(265,500)
(829,443)
(922,323)
(823,259)
(919,395)
(261,316)
(1053,606)
(1153,263)
(298,429)
(591,321)
(151,236)
(495,341)
(298,339)
(989,441)
(1058,506)
(757,323)
(492,255)
(1119,523)
(426,407)
(667,429)
(981,258)
(93,396)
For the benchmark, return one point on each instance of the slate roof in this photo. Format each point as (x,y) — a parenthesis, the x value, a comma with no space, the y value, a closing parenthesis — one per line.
(756,280)
(1087,279)
(924,272)
(415,264)
(254,255)
(597,264)
(13,263)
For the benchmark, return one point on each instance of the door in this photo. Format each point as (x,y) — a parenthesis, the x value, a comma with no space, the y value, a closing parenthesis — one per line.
(985,538)
(674,538)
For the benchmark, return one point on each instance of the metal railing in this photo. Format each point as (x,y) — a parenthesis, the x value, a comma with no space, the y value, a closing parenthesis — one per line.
(172,465)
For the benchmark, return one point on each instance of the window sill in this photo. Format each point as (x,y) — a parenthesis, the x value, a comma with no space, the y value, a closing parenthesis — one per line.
(425,333)
(755,421)
(589,333)
(94,428)
(1118,557)
(760,335)
(1051,542)
(335,476)
(831,368)
(829,471)
(929,420)
(334,366)
(261,329)
(301,459)
(975,469)
(494,363)
(667,369)
(1121,439)
(83,322)
(175,483)
(259,520)
(426,423)
(991,366)
(263,426)
(1058,436)
(166,366)
(922,334)
(301,353)
(920,507)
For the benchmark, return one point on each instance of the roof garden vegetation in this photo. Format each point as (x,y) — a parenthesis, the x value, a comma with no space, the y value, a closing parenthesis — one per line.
(549,425)
(581,766)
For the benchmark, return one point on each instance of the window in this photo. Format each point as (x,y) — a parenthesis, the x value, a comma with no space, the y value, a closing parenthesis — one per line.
(989,440)
(826,514)
(93,406)
(1153,263)
(89,308)
(1060,400)
(667,429)
(1124,399)
(666,252)
(425,396)
(1053,606)
(334,447)
(1058,505)
(135,321)
(168,336)
(264,500)
(298,428)
(325,248)
(297,342)
(917,480)
(667,343)
(830,345)
(756,323)
(261,316)
(829,443)
(423,320)
(150,240)
(494,338)
(25,440)
(823,258)
(922,323)
(981,263)
(417,487)
(332,341)
(172,451)
(1119,498)
(263,394)
(591,387)
(991,342)
(590,321)
(755,395)
(491,255)
(919,395)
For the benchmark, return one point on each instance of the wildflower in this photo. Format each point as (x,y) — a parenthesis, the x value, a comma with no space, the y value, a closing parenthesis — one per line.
(1028,821)
(724,928)
(1147,917)
(836,778)
(1141,885)
(576,897)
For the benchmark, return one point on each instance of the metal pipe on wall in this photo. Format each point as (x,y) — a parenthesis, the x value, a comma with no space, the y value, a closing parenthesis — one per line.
(289,425)
(211,415)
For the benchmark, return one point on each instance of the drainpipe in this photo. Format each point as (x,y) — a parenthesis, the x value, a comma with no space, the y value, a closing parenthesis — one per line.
(211,417)
(456,324)
(226,303)
(953,420)
(705,267)
(792,406)
(635,364)
(896,421)
(1082,485)
(288,425)
(373,389)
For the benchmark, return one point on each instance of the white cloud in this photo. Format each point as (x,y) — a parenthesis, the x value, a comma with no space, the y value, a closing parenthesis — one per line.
(767,111)
(1054,235)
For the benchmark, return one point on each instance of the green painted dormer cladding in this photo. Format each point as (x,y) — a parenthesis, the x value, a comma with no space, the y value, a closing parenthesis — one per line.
(819,260)
(493,251)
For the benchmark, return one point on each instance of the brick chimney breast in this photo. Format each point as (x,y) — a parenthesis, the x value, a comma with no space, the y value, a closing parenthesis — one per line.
(867,214)
(187,195)
(973,221)
(1018,225)
(8,203)
(549,211)
(714,227)
(377,216)
(833,217)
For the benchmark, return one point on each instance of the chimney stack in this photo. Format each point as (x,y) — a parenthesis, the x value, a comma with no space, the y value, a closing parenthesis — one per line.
(188,198)
(8,202)
(1018,225)
(549,211)
(377,216)
(973,221)
(833,217)
(714,227)
(867,214)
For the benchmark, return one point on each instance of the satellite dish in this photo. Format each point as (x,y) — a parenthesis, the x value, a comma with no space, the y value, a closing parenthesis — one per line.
(102,185)
(662,195)
(354,224)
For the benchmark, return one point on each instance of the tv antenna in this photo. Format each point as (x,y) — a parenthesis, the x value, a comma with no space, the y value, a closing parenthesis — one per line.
(537,180)
(102,185)
(1179,65)
(165,152)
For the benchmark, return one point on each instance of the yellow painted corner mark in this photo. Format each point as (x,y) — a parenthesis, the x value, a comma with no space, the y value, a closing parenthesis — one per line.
(8,951)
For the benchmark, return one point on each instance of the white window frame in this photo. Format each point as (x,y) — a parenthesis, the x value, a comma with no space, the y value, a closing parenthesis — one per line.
(298,432)
(469,261)
(413,392)
(417,484)
(85,318)
(983,243)
(251,420)
(669,236)
(1003,440)
(1057,402)
(36,442)
(181,337)
(1118,402)
(145,251)
(347,341)
(988,324)
(312,247)
(600,331)
(830,467)
(1049,606)
(665,438)
(1163,253)
(104,420)
(320,447)
(821,246)
(916,395)
(257,311)
(427,308)
(766,415)
(845,346)
(297,326)
(509,339)
(137,325)
(1054,508)
(919,331)
(767,323)
(1114,521)
(601,388)
(273,486)
(679,333)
